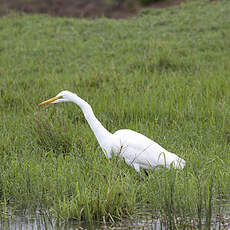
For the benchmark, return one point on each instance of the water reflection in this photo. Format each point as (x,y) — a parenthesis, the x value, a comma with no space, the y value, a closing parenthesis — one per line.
(37,221)
(40,220)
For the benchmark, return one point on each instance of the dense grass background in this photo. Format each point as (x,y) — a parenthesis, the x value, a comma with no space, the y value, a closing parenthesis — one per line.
(164,74)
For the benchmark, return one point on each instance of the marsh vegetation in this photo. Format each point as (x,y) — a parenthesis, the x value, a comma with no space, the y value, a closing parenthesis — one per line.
(164,73)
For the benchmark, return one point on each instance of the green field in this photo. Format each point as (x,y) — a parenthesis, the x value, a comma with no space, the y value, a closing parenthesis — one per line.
(164,73)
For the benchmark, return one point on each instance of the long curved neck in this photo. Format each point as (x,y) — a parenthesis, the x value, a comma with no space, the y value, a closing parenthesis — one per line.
(104,137)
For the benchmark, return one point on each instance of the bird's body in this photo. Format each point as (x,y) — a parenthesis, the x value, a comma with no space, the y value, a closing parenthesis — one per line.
(141,152)
(136,149)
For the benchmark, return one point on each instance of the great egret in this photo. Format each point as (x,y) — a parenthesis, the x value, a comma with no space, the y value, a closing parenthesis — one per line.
(136,149)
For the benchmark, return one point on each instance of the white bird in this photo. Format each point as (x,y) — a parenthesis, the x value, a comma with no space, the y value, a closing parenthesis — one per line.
(136,149)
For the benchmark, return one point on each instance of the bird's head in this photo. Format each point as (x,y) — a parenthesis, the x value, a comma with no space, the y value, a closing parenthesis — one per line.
(63,96)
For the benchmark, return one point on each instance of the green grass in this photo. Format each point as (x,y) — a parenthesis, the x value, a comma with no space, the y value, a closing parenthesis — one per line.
(164,73)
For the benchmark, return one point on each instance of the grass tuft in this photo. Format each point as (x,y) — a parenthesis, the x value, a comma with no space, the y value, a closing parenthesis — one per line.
(50,135)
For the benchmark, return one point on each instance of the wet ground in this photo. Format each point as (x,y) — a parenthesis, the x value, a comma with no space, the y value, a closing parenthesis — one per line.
(82,8)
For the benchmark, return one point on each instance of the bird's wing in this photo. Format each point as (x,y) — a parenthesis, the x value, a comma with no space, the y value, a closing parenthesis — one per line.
(136,148)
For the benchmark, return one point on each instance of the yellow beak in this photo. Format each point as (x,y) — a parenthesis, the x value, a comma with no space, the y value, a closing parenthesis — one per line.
(49,100)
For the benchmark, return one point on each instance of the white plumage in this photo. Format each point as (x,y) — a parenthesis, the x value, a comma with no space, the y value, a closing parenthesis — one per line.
(136,149)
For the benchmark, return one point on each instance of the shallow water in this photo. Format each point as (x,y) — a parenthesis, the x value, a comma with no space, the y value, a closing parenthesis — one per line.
(40,220)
